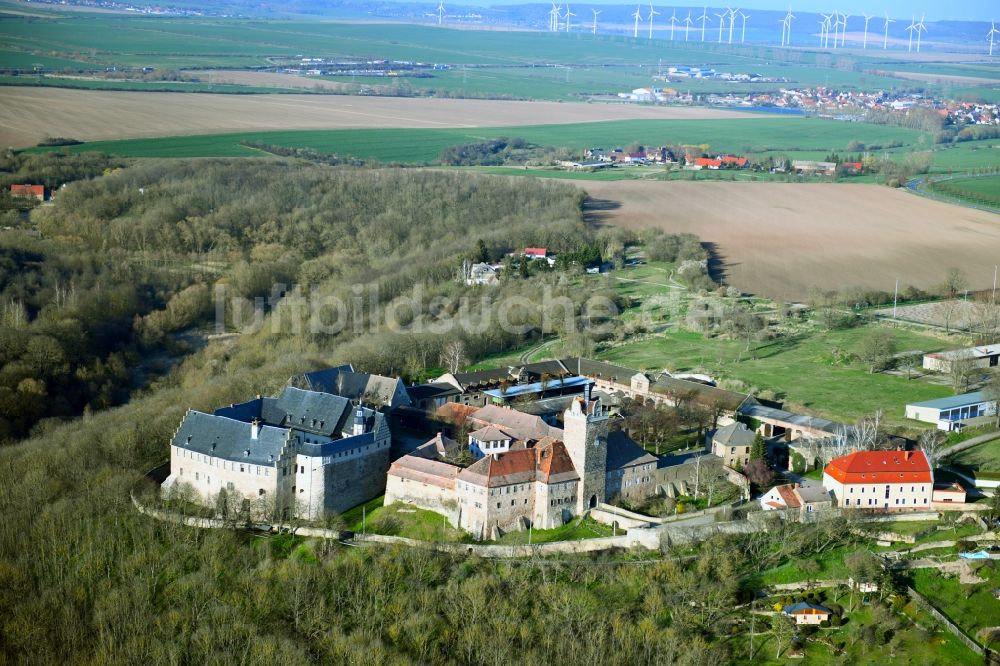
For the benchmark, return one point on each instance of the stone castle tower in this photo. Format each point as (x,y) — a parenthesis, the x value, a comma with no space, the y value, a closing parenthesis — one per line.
(585,434)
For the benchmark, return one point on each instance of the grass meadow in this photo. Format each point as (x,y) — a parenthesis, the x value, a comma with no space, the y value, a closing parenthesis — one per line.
(799,367)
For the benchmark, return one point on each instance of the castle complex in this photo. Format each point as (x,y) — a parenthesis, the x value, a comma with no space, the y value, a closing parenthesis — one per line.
(542,482)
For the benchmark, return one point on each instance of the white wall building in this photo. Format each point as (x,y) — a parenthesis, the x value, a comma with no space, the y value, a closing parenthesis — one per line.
(881,481)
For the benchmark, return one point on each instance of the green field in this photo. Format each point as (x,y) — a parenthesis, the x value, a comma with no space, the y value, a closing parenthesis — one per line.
(417,146)
(971,607)
(791,367)
(985,457)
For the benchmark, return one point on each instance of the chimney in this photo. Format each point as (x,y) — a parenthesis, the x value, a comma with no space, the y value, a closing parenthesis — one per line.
(359,421)
(254,428)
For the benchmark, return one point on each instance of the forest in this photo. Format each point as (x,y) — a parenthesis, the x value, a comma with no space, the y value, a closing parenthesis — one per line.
(101,289)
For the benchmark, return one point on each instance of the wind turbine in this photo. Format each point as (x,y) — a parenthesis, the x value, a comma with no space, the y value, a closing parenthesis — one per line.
(703,18)
(843,28)
(638,17)
(652,13)
(864,44)
(688,23)
(788,27)
(885,39)
(673,22)
(722,24)
(440,11)
(568,14)
(784,27)
(910,28)
(743,34)
(732,22)
(824,30)
(554,18)
(594,27)
(920,28)
(989,35)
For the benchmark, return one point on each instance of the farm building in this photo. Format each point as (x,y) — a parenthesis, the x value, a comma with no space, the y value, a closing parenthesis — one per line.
(881,480)
(809,167)
(983,356)
(953,412)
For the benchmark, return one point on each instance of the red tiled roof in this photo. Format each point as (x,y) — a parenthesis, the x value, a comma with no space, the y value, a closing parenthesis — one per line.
(881,467)
(733,159)
(787,493)
(707,162)
(30,190)
(455,413)
(538,251)
(554,462)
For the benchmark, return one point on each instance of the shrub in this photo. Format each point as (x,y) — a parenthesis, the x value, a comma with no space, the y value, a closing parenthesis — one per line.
(825,624)
(835,621)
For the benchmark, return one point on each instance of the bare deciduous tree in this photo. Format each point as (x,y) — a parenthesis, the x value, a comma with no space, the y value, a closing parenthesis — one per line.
(453,356)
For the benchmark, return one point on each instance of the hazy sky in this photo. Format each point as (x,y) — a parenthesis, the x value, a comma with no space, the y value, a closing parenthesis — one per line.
(936,10)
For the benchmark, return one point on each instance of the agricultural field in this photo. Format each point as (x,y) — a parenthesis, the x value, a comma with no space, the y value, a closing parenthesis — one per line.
(83,114)
(780,240)
(789,366)
(28,114)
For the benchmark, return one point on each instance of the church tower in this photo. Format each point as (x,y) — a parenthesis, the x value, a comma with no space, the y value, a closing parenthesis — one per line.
(585,434)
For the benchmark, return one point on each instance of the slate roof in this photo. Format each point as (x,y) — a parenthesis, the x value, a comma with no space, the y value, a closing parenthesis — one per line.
(623,452)
(229,439)
(309,411)
(431,390)
(758,411)
(700,393)
(343,381)
(734,434)
(806,608)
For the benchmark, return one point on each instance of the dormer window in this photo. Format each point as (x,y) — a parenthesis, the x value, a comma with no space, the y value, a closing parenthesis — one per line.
(246,452)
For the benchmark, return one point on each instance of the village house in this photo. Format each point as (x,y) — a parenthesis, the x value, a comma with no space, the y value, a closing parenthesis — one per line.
(483,274)
(881,480)
(807,613)
(539,481)
(811,499)
(732,443)
(301,453)
(810,168)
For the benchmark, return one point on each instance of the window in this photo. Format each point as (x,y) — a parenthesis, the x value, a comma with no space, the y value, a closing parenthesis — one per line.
(242,469)
(229,486)
(498,505)
(261,492)
(196,476)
